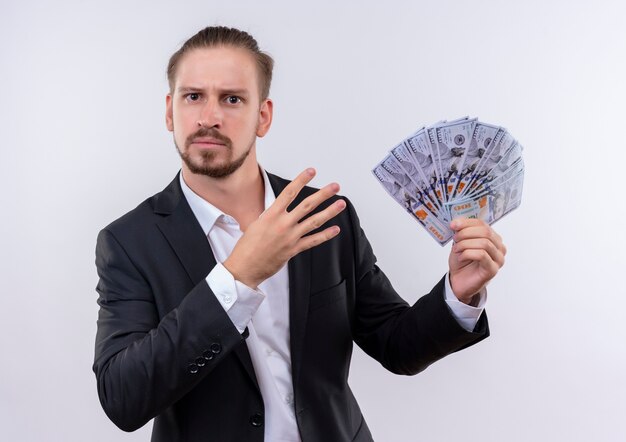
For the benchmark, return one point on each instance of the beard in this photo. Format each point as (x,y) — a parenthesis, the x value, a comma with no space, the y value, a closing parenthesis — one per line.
(204,165)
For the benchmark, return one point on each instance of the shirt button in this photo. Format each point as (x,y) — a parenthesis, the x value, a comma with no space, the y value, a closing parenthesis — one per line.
(269,351)
(227,299)
(289,399)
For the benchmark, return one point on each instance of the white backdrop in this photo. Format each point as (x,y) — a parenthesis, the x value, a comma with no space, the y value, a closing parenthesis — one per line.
(84,141)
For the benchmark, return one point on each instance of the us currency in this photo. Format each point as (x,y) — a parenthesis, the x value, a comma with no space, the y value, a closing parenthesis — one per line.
(403,156)
(499,198)
(420,149)
(431,136)
(514,195)
(453,139)
(477,173)
(460,168)
(513,154)
(480,208)
(481,139)
(493,157)
(393,188)
(435,227)
(393,168)
(514,169)
(438,229)
(507,195)
(431,133)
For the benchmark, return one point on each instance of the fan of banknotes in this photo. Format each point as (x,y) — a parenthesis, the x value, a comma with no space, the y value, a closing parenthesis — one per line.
(460,168)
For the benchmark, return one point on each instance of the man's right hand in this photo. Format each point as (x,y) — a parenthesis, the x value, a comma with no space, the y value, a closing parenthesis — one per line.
(278,235)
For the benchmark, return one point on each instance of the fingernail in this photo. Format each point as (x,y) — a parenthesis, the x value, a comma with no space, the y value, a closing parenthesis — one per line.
(341,204)
(310,171)
(454,225)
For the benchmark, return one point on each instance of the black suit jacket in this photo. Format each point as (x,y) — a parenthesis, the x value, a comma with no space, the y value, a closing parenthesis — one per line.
(166,349)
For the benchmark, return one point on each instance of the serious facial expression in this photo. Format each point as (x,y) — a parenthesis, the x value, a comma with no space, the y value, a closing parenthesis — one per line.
(214,110)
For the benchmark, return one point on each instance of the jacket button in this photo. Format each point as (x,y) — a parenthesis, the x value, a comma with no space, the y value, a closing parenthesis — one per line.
(207,354)
(256,420)
(216,348)
(200,362)
(193,368)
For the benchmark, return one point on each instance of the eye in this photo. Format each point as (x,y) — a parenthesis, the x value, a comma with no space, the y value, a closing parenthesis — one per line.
(233,99)
(194,96)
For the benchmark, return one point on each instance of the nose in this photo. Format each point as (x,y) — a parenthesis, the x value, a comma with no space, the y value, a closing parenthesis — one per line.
(210,114)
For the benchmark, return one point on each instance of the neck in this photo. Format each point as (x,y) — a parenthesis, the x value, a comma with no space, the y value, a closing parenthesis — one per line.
(240,194)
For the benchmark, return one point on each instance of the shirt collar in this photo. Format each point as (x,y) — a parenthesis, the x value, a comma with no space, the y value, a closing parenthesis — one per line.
(207,214)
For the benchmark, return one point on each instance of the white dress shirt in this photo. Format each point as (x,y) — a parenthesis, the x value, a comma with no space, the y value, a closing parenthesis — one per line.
(265,312)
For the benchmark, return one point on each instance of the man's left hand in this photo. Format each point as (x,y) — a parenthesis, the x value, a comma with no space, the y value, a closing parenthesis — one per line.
(476,256)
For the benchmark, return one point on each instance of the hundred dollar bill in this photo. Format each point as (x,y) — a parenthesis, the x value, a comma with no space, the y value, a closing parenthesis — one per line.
(431,136)
(460,168)
(453,139)
(420,149)
(435,227)
(393,168)
(506,161)
(498,198)
(513,197)
(481,139)
(472,208)
(405,160)
(438,229)
(493,156)
(477,173)
(507,195)
(514,169)
(393,188)
(422,155)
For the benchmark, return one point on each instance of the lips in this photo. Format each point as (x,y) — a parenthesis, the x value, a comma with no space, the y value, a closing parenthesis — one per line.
(208,138)
(208,142)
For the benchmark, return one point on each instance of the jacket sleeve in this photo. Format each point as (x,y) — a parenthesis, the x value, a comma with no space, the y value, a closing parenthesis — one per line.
(404,339)
(142,364)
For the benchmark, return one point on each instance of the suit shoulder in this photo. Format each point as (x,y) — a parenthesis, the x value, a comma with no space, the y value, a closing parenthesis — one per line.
(279,183)
(136,218)
(148,211)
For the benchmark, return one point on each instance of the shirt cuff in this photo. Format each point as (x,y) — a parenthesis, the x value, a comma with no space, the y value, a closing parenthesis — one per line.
(239,301)
(466,315)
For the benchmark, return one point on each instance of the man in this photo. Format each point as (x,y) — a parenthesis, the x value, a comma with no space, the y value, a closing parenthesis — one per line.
(230,300)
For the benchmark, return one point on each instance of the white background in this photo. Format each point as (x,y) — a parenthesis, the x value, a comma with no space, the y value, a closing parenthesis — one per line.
(84,141)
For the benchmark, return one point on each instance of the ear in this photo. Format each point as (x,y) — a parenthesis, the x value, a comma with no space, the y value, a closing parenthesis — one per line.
(169,113)
(265,117)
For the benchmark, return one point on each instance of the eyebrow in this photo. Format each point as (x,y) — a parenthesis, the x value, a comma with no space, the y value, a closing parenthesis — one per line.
(227,91)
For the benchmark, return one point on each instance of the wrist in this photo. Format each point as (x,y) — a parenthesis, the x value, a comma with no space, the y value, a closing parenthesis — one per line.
(239,274)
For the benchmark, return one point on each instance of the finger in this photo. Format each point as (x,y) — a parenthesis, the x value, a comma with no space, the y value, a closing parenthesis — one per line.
(462,223)
(480,231)
(481,244)
(319,219)
(482,258)
(311,202)
(311,241)
(291,191)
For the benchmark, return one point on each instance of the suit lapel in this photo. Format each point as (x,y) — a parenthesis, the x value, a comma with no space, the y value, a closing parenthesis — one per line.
(184,234)
(299,287)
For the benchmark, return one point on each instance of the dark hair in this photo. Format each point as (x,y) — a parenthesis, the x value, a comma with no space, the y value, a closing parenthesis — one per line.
(213,36)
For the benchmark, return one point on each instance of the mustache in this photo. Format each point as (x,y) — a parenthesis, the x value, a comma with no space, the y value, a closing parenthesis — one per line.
(209,132)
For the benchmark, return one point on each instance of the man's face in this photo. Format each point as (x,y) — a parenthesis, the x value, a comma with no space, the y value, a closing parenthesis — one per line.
(214,110)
